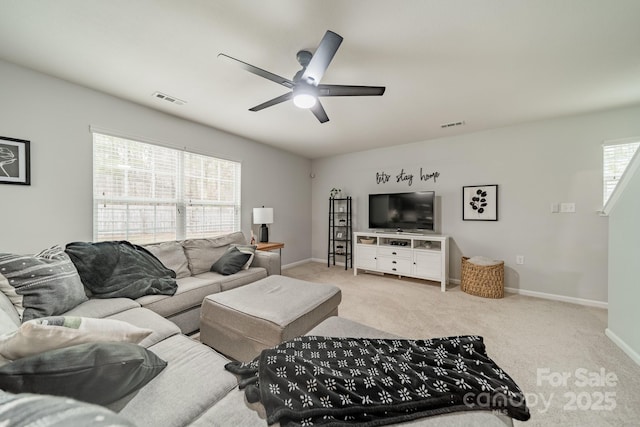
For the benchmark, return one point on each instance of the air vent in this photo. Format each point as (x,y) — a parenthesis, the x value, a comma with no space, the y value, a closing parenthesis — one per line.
(168,98)
(452,124)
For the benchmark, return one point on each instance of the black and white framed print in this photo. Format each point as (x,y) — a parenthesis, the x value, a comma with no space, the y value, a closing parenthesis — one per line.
(15,162)
(480,203)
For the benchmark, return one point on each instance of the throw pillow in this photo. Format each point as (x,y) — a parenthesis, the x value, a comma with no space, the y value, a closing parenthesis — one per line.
(46,284)
(96,372)
(49,333)
(247,249)
(231,262)
(171,255)
(28,410)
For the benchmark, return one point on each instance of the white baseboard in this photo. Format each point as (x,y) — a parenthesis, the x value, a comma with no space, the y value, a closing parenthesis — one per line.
(563,298)
(623,345)
(324,261)
(297,263)
(308,260)
(554,297)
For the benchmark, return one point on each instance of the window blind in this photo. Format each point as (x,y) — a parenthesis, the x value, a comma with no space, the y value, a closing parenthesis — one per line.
(148,193)
(616,157)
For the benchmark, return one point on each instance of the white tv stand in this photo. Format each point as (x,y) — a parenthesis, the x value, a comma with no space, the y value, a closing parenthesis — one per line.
(423,256)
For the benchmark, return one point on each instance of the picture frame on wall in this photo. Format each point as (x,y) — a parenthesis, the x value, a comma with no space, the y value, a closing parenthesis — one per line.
(480,203)
(15,161)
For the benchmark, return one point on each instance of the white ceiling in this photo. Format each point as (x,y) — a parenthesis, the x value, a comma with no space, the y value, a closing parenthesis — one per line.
(490,63)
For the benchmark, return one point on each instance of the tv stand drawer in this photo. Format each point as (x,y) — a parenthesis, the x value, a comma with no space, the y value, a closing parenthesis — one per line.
(394,252)
(399,266)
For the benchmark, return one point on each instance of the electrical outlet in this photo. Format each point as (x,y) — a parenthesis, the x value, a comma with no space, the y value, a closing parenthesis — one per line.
(519,259)
(567,207)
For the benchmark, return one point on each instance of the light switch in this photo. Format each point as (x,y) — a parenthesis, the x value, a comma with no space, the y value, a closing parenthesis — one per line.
(568,207)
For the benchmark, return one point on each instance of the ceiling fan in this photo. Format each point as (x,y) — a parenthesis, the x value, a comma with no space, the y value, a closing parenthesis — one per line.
(305,85)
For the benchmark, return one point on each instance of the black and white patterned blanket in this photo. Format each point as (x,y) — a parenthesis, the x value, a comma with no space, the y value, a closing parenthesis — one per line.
(314,380)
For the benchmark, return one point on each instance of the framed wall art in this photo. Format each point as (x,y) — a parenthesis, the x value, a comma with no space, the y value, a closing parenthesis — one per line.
(15,162)
(480,203)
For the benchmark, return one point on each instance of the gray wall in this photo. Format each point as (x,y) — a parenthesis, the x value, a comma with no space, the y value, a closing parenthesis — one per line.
(534,165)
(57,208)
(624,268)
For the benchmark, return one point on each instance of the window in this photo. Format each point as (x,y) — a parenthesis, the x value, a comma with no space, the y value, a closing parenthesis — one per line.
(616,157)
(148,193)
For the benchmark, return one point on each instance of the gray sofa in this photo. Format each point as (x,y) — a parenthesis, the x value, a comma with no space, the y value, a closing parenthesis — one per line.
(195,389)
(191,260)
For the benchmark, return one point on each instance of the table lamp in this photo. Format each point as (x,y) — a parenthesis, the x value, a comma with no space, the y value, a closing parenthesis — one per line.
(263,216)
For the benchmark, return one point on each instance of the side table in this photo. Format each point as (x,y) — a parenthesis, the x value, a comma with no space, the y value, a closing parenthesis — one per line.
(270,246)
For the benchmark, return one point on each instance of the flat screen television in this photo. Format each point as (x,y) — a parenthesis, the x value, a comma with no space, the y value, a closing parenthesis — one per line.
(402,211)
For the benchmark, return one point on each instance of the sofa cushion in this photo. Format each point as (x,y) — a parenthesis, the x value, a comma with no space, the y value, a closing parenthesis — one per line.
(50,333)
(171,254)
(29,410)
(102,307)
(194,380)
(143,318)
(340,327)
(241,278)
(191,291)
(96,373)
(231,261)
(46,284)
(202,253)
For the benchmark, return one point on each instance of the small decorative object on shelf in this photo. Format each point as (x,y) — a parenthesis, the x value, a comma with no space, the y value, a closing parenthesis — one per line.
(335,193)
(340,230)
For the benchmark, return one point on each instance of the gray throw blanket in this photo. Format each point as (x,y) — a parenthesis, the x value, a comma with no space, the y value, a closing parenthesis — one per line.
(120,269)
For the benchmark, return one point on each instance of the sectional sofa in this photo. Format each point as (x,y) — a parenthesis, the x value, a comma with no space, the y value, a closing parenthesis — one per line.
(193,389)
(192,260)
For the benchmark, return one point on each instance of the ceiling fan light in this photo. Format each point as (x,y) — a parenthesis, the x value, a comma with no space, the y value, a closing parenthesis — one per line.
(304,100)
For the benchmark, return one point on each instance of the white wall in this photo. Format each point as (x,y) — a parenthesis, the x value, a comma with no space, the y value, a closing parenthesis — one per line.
(57,208)
(534,165)
(624,268)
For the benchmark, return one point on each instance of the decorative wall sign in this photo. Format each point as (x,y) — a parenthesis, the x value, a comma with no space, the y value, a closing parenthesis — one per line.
(15,163)
(402,176)
(480,203)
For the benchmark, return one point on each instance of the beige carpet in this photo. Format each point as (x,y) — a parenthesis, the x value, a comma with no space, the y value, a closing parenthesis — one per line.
(522,334)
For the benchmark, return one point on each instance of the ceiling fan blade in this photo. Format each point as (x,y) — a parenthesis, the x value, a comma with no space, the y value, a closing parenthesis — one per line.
(340,90)
(319,112)
(321,59)
(272,102)
(259,71)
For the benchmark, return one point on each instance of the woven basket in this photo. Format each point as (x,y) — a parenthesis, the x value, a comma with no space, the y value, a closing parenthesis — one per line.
(485,281)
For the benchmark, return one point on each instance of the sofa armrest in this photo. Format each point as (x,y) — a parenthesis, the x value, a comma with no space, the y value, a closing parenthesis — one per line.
(268,260)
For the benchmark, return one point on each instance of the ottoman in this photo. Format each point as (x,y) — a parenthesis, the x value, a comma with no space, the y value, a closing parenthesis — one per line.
(242,322)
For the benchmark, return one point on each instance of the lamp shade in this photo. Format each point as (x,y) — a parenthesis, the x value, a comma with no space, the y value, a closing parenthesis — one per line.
(263,215)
